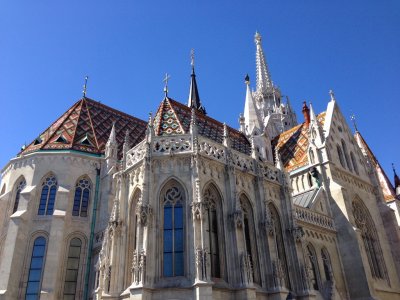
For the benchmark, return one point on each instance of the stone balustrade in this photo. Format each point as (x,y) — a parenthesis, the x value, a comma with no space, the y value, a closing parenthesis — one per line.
(136,154)
(172,144)
(314,218)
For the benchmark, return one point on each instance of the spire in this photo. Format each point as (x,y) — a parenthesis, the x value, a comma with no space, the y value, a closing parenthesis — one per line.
(112,138)
(250,109)
(313,117)
(194,98)
(332,94)
(353,119)
(264,80)
(306,114)
(85,86)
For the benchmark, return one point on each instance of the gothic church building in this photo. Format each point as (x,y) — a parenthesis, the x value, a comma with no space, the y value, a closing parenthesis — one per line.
(102,205)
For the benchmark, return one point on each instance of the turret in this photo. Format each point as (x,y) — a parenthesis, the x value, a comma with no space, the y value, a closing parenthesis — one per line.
(111,151)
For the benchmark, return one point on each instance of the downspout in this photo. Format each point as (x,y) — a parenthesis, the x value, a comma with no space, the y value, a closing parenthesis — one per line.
(92,226)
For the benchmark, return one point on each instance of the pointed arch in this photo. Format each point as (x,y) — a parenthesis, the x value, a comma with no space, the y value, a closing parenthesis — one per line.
(370,239)
(173,203)
(340,154)
(214,216)
(132,233)
(278,240)
(20,184)
(48,194)
(249,231)
(354,162)
(346,155)
(313,270)
(83,189)
(326,261)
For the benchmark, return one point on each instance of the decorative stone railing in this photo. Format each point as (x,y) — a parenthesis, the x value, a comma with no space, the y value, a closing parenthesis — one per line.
(136,154)
(172,144)
(269,172)
(212,150)
(314,218)
(242,161)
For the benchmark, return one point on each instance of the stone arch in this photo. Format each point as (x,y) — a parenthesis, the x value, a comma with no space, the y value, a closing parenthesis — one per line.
(134,199)
(83,196)
(48,194)
(370,238)
(312,267)
(327,264)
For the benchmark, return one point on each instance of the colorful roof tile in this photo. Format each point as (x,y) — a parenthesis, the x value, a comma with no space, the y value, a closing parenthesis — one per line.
(86,127)
(173,117)
(293,145)
(387,188)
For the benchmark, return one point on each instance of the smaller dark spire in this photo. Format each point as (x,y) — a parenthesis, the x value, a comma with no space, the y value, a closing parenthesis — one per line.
(247,79)
(306,113)
(396,178)
(194,98)
(85,87)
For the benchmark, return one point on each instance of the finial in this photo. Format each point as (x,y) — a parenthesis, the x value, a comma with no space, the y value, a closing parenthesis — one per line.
(192,58)
(257,38)
(85,86)
(247,79)
(394,169)
(332,95)
(166,78)
(353,119)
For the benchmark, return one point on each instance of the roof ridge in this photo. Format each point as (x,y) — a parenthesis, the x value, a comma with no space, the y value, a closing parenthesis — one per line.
(92,127)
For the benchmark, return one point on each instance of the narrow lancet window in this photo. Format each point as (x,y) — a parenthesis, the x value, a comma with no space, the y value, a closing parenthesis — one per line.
(35,270)
(173,239)
(20,187)
(81,199)
(48,195)
(71,274)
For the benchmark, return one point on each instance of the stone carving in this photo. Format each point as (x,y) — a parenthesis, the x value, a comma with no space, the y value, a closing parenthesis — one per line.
(247,269)
(143,212)
(201,263)
(278,273)
(136,154)
(169,145)
(238,218)
(212,150)
(197,210)
(138,266)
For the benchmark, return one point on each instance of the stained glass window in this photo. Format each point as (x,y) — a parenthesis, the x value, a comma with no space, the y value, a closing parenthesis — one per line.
(48,195)
(71,274)
(35,269)
(173,235)
(81,199)
(20,187)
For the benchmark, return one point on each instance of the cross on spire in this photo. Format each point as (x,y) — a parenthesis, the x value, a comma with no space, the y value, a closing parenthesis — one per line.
(353,119)
(192,58)
(166,78)
(85,86)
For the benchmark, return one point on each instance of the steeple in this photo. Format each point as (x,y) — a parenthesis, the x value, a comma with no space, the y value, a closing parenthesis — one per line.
(264,80)
(194,98)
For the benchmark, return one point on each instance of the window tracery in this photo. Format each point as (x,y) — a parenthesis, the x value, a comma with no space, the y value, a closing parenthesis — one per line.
(35,273)
(48,195)
(20,187)
(81,198)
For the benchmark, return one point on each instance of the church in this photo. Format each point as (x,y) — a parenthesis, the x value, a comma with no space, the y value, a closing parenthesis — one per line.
(103,205)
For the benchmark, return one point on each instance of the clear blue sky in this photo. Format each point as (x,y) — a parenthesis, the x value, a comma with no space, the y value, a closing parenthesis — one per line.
(47,47)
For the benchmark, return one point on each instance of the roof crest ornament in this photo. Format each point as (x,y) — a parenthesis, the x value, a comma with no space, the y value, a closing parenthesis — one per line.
(85,86)
(332,94)
(166,78)
(353,119)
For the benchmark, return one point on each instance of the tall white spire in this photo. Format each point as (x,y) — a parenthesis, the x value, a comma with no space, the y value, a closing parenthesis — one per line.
(264,80)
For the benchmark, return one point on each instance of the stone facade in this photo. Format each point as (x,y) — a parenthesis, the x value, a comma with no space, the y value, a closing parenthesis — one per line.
(194,209)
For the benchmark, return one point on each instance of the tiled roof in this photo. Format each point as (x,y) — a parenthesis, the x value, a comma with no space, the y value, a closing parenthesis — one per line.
(173,117)
(86,127)
(293,145)
(386,186)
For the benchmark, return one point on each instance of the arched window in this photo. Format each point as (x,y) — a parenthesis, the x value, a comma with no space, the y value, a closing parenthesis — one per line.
(35,270)
(312,267)
(346,155)
(81,199)
(48,196)
(370,238)
(212,201)
(327,264)
(278,239)
(71,275)
(354,162)
(340,154)
(173,235)
(21,185)
(249,236)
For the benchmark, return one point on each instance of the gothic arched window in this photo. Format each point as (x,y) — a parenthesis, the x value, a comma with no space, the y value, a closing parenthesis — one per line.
(327,264)
(313,271)
(212,214)
(250,236)
(370,239)
(48,195)
(173,231)
(340,154)
(312,158)
(354,162)
(346,155)
(278,242)
(21,185)
(81,198)
(71,274)
(36,269)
